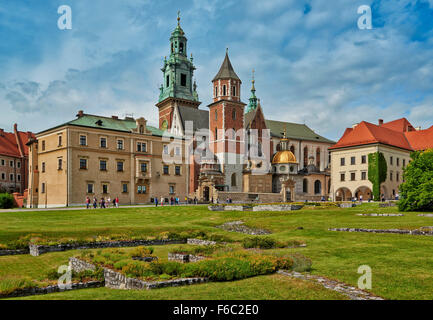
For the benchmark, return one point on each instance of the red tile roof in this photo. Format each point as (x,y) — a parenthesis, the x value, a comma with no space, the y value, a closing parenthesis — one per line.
(14,145)
(398,133)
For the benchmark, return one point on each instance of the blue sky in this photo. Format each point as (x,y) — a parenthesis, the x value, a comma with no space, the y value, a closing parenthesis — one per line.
(313,65)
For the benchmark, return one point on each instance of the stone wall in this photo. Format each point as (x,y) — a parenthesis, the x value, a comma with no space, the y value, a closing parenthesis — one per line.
(201,242)
(184,258)
(36,250)
(280,207)
(13,252)
(243,197)
(79,265)
(52,289)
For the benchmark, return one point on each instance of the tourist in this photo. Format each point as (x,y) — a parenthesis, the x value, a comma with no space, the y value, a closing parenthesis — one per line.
(108,202)
(176,201)
(102,203)
(117,202)
(95,203)
(114,202)
(323,199)
(383,197)
(162,201)
(186,200)
(171,201)
(87,203)
(360,198)
(156,201)
(195,200)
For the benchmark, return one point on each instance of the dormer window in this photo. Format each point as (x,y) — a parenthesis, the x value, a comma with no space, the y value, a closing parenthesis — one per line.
(99,122)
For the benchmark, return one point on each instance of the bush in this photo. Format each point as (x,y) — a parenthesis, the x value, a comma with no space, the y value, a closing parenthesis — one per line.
(9,285)
(6,201)
(142,252)
(259,243)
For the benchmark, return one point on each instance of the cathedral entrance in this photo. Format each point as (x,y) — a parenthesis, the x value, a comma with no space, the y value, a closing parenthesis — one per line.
(206,194)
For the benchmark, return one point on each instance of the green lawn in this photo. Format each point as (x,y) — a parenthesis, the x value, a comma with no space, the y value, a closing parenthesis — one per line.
(402,265)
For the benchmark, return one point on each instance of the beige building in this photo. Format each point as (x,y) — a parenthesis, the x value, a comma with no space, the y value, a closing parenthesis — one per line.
(349,157)
(94,156)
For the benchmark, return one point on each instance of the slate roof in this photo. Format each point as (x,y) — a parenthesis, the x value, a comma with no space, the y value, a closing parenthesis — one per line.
(226,71)
(200,118)
(295,131)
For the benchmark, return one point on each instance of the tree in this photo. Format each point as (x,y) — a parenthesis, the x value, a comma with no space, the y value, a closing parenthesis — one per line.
(417,189)
(6,201)
(377,171)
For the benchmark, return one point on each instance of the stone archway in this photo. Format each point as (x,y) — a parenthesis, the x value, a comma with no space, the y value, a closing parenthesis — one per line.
(343,194)
(363,191)
(288,189)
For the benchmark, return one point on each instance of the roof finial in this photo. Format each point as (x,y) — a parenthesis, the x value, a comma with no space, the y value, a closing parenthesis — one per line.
(227,50)
(253,81)
(178,17)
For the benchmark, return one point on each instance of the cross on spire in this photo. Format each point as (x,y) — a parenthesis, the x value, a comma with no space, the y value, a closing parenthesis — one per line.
(178,17)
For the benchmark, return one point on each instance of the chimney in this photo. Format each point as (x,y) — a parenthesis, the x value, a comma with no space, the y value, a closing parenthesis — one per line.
(418,129)
(80,113)
(380,122)
(115,117)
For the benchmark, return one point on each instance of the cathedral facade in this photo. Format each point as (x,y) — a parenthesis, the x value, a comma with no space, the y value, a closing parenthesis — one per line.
(234,151)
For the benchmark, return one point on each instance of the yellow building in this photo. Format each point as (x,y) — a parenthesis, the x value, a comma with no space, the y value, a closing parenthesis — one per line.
(100,157)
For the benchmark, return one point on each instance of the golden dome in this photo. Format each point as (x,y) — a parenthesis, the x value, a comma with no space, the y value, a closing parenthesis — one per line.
(284,157)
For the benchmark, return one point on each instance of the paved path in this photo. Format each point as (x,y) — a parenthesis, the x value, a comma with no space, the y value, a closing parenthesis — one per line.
(84,208)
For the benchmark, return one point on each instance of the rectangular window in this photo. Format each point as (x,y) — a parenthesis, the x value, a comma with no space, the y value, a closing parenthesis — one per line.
(119,166)
(11,164)
(141,189)
(167,81)
(177,152)
(171,189)
(404,163)
(141,147)
(103,142)
(391,160)
(363,175)
(364,159)
(43,187)
(59,164)
(103,165)
(125,188)
(352,160)
(143,167)
(83,164)
(166,169)
(43,145)
(105,188)
(342,177)
(165,149)
(177,170)
(397,177)
(390,176)
(43,166)
(342,161)
(3,176)
(398,162)
(90,188)
(60,141)
(18,164)
(83,141)
(183,80)
(18,177)
(352,176)
(120,144)
(11,177)
(3,162)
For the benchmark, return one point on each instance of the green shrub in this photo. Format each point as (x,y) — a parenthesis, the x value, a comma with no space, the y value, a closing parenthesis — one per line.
(259,243)
(142,252)
(6,201)
(9,285)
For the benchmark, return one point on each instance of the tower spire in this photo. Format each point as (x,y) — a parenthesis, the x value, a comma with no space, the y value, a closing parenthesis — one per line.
(178,17)
(252,105)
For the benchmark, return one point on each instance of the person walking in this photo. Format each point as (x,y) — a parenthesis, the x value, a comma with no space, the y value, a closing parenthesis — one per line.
(156,201)
(117,202)
(95,203)
(108,202)
(87,203)
(186,200)
(162,201)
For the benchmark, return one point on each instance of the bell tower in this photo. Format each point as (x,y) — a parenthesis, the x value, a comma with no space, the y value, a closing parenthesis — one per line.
(178,87)
(226,124)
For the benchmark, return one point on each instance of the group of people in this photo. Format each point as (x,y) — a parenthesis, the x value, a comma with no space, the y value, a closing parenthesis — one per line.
(103,203)
(174,201)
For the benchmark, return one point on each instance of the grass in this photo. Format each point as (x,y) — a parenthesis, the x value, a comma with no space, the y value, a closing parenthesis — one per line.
(401,264)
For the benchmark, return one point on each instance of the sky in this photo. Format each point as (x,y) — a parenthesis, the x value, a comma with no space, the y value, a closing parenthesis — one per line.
(312,63)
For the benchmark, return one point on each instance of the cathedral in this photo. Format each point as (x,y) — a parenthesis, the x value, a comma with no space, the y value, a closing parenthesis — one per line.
(234,152)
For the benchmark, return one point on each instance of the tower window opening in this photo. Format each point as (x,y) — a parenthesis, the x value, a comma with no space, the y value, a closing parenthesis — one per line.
(224,90)
(183,80)
(234,91)
(181,47)
(216,91)
(167,81)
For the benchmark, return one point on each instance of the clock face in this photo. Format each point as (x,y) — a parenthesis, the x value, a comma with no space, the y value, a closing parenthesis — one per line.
(164,125)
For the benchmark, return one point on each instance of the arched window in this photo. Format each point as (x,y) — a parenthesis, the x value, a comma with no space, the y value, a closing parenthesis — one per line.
(234,180)
(318,158)
(317,187)
(292,149)
(234,91)
(305,186)
(234,114)
(305,156)
(224,90)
